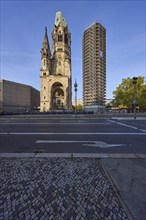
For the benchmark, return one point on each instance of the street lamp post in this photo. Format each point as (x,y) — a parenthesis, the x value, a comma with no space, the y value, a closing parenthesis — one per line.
(75,89)
(134,100)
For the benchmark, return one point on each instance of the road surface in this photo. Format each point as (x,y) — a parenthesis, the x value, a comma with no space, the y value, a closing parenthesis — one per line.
(73,136)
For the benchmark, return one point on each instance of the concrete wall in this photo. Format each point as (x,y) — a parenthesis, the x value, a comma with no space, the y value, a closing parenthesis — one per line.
(15,95)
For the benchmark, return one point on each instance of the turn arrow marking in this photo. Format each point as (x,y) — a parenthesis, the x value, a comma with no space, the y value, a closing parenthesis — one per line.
(100,144)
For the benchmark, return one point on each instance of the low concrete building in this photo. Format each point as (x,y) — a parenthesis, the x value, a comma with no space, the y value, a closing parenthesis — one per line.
(108,101)
(95,108)
(18,97)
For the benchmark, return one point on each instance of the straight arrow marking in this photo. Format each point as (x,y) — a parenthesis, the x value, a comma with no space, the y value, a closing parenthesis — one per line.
(60,141)
(100,144)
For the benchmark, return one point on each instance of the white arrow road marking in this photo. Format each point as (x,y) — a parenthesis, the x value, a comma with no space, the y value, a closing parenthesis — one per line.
(59,141)
(100,144)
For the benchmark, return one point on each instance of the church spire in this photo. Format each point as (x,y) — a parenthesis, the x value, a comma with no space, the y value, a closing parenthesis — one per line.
(46,35)
(59,19)
(45,47)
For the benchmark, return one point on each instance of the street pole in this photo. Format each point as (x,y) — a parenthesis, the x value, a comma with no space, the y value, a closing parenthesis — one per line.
(134,101)
(75,89)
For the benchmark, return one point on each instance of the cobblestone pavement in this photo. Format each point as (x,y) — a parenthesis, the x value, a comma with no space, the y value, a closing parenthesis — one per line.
(56,188)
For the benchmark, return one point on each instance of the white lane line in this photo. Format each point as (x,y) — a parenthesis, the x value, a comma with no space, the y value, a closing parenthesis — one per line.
(56,123)
(128,126)
(69,133)
(129,118)
(142,130)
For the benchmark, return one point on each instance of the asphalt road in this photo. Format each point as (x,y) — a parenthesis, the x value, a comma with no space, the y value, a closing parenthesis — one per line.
(73,136)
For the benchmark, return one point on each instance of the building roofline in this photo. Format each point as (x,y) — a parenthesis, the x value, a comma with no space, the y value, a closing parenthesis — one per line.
(95,22)
(8,81)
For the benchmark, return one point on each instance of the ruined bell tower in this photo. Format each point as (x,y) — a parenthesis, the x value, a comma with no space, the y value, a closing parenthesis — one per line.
(55,73)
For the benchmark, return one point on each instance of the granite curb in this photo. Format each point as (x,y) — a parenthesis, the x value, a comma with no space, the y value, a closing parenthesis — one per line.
(72,155)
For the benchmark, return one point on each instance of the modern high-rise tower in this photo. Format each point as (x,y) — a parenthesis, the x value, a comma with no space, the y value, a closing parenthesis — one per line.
(55,71)
(94,65)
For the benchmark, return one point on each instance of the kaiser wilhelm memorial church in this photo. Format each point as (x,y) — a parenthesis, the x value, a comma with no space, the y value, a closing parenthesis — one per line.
(55,73)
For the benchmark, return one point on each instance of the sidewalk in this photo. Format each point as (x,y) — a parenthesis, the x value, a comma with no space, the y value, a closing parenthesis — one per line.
(129,178)
(71,188)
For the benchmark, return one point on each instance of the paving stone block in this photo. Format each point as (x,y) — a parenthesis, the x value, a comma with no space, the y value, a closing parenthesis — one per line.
(57,188)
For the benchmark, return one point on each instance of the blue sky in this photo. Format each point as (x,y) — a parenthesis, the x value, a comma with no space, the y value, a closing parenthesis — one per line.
(22,33)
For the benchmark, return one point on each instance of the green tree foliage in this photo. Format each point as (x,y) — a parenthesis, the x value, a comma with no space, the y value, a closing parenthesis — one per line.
(73,107)
(79,107)
(124,94)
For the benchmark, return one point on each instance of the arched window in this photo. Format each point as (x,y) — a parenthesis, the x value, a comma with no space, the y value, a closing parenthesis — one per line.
(60,38)
(57,95)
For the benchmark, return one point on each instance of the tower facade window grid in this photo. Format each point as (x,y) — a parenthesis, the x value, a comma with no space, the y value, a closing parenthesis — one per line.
(94,65)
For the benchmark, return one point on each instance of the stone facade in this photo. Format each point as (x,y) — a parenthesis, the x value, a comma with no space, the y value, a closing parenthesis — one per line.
(55,71)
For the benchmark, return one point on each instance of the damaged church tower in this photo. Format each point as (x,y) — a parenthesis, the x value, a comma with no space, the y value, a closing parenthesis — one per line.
(55,73)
